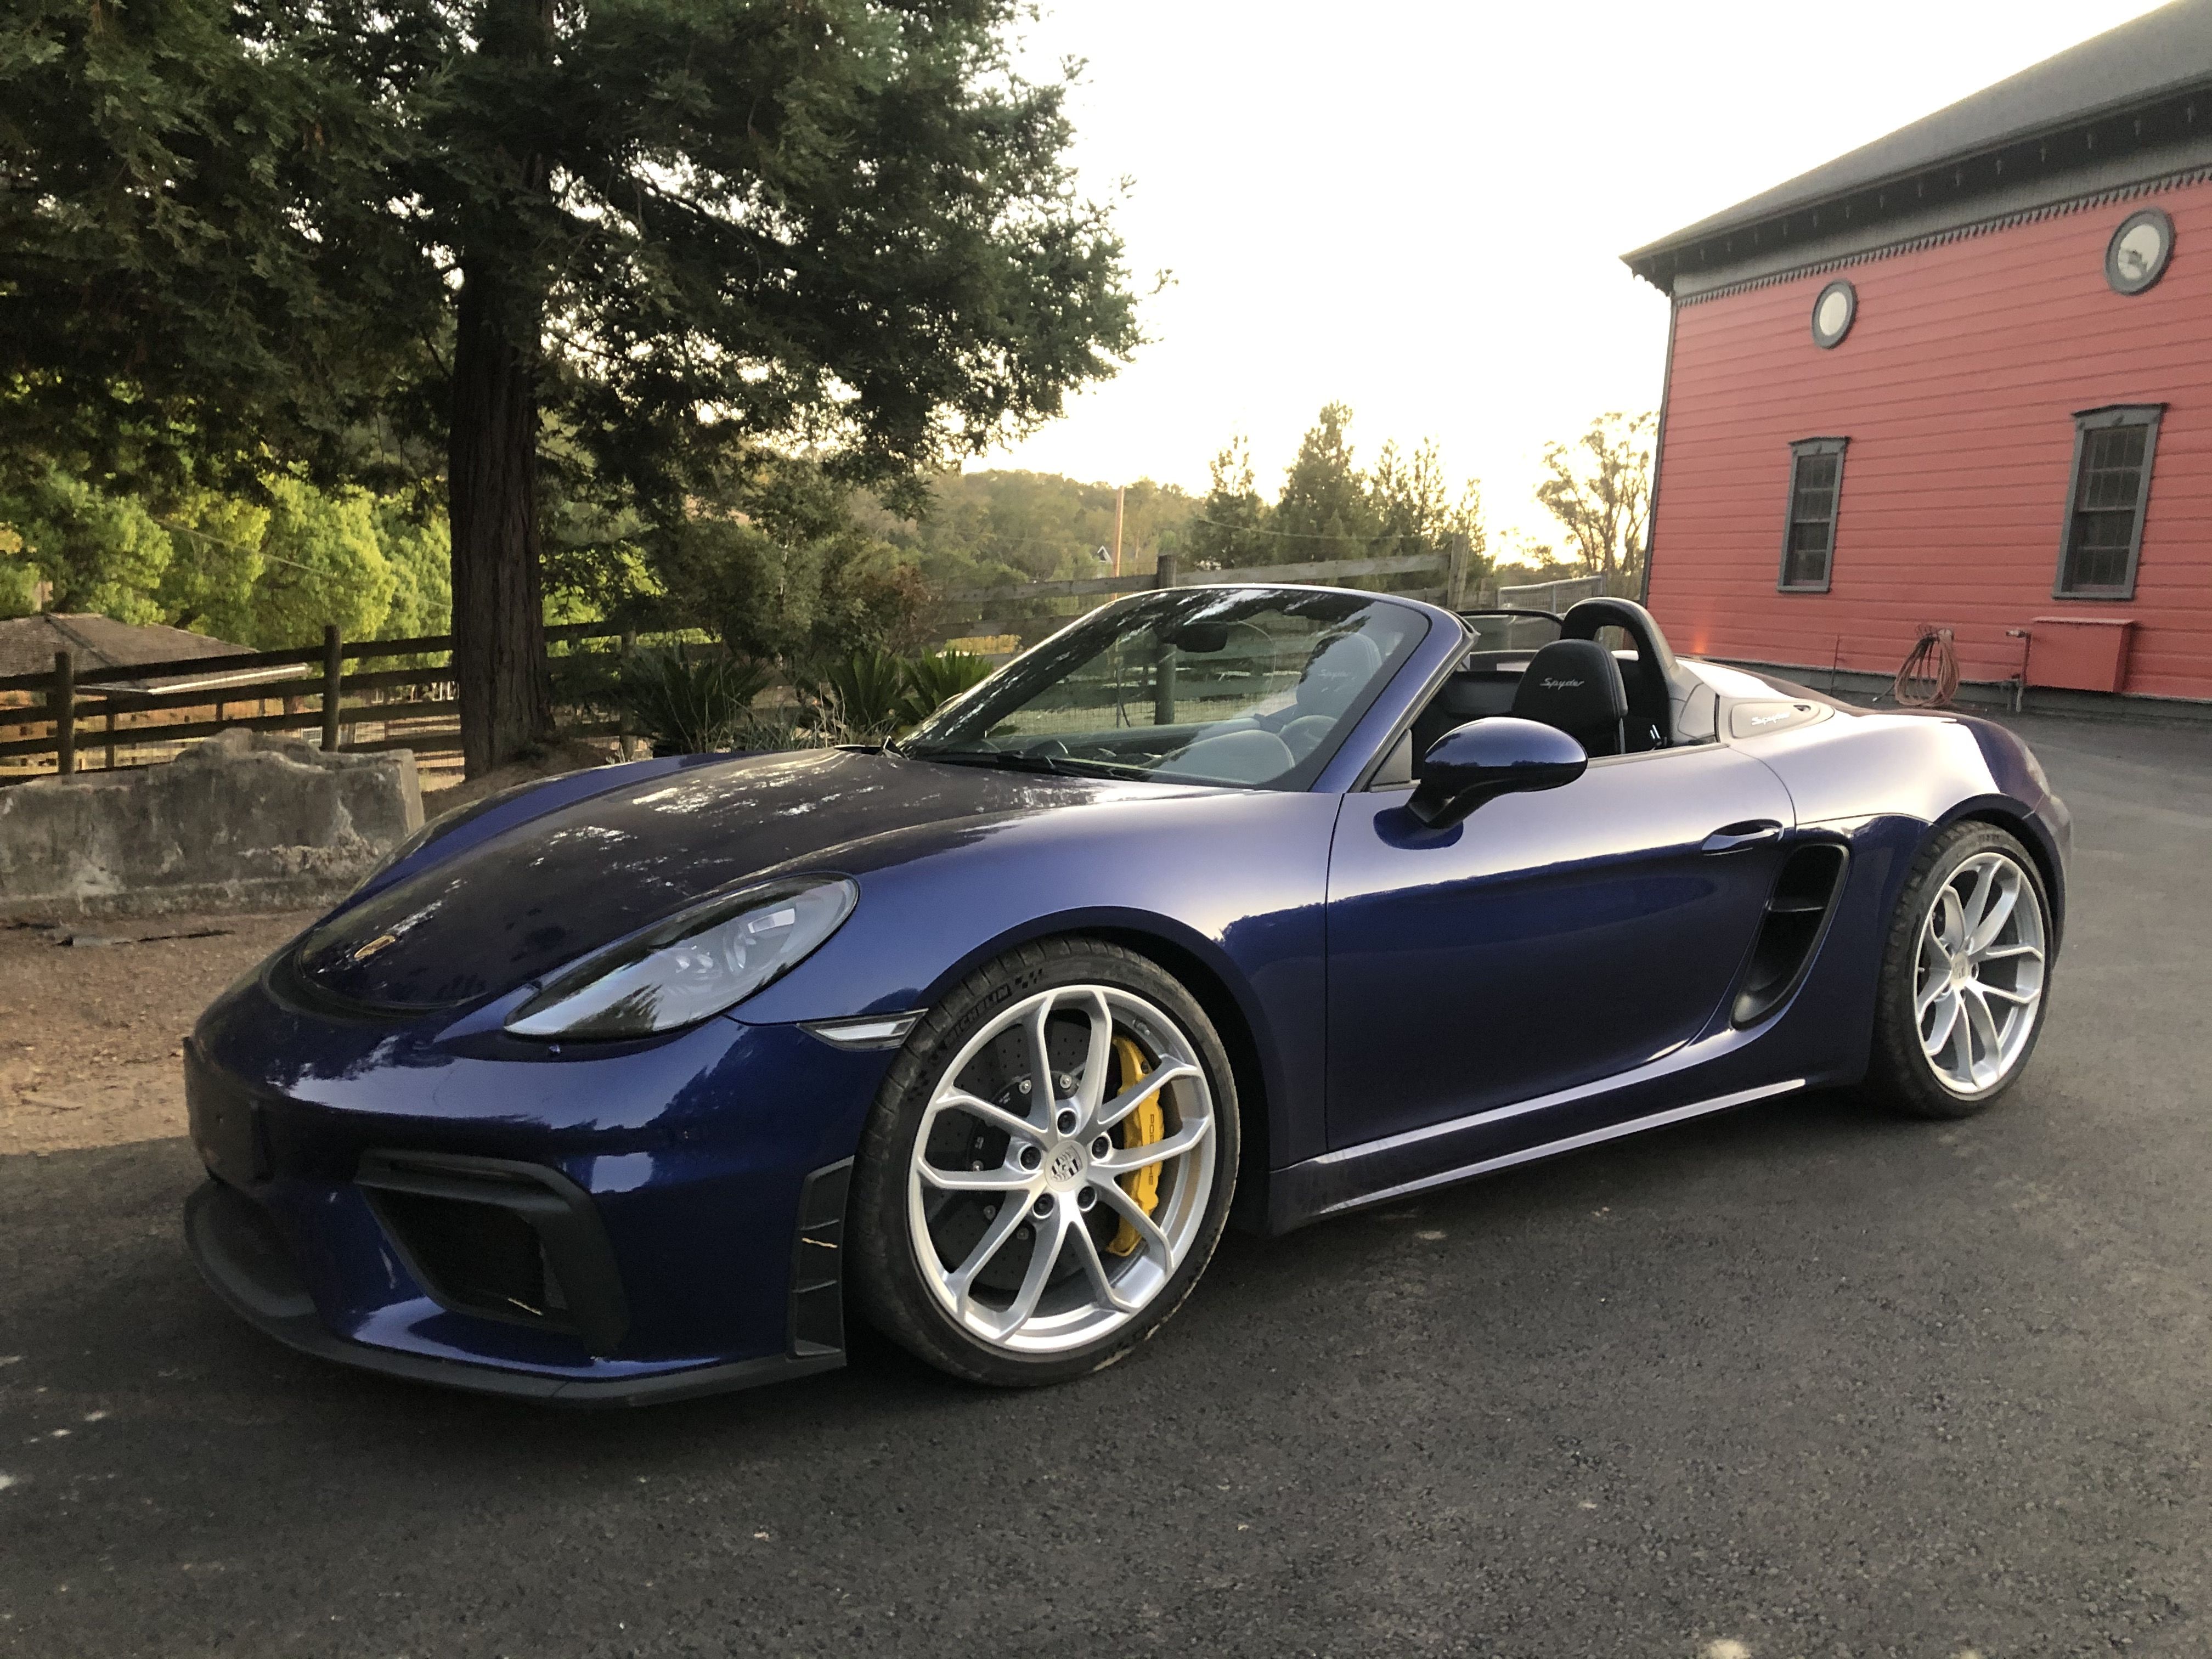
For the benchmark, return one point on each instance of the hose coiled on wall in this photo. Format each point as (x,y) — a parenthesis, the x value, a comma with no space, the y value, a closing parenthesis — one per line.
(1918,684)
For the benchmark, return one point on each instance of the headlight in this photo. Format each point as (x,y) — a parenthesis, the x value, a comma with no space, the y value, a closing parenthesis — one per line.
(693,965)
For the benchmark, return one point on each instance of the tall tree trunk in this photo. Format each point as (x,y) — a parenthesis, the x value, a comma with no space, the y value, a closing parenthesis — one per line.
(499,607)
(491,461)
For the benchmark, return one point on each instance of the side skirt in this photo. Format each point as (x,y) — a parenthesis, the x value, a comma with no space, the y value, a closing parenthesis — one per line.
(1335,1183)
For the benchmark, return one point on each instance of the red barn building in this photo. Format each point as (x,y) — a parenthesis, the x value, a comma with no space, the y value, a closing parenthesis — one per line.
(1961,379)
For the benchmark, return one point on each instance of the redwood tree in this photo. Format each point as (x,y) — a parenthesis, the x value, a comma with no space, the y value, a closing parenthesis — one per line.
(347,236)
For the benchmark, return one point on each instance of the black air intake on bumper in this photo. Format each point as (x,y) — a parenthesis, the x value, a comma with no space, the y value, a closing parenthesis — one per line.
(501,1240)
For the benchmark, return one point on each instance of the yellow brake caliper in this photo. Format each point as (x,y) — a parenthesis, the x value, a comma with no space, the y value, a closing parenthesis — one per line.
(1146,1125)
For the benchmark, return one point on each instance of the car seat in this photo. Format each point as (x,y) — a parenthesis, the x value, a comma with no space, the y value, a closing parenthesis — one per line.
(1575,685)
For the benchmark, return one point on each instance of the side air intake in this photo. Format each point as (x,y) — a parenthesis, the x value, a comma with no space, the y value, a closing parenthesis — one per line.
(501,1240)
(1797,915)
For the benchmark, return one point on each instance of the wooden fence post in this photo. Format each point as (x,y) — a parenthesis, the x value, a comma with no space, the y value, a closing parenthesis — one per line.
(63,699)
(333,667)
(1166,575)
(1462,555)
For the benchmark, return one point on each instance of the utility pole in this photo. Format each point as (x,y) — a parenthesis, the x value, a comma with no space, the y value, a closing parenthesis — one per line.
(1120,491)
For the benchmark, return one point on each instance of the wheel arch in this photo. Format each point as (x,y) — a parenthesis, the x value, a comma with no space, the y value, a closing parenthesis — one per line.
(2020,822)
(1255,1157)
(1211,976)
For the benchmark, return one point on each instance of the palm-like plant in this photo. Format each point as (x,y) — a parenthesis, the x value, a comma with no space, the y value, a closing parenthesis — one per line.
(934,680)
(687,705)
(869,689)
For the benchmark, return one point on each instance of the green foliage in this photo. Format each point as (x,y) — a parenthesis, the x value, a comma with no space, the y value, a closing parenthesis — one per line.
(18,582)
(848,220)
(101,551)
(210,583)
(870,691)
(687,704)
(988,529)
(327,241)
(323,564)
(191,282)
(934,680)
(261,573)
(775,565)
(1415,513)
(1325,511)
(419,549)
(1330,509)
(871,694)
(1231,526)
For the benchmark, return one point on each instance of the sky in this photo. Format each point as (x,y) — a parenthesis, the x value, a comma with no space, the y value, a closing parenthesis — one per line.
(1418,207)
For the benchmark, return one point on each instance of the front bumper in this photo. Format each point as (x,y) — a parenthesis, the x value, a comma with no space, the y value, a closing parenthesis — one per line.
(246,1263)
(616,1225)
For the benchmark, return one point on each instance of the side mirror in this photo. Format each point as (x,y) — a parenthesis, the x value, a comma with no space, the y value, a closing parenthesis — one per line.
(1484,759)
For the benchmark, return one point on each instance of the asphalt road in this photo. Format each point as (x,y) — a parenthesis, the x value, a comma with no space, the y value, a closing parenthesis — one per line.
(1799,1381)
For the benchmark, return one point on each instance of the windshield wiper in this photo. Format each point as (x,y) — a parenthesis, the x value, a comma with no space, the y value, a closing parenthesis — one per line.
(1023,760)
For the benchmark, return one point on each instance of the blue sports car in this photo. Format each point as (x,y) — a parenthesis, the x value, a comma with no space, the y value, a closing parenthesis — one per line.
(1247,903)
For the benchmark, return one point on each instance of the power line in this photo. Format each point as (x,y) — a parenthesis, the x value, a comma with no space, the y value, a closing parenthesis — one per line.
(1298,535)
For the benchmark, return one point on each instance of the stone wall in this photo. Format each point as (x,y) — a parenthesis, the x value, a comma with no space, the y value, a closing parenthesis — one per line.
(245,820)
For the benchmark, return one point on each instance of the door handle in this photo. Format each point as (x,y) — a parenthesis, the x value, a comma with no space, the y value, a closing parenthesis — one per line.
(1735,837)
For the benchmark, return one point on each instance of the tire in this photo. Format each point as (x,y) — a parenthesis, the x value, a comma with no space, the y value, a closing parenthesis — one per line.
(942,1265)
(1923,1064)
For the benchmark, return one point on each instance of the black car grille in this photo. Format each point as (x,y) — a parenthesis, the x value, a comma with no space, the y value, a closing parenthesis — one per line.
(501,1240)
(477,1256)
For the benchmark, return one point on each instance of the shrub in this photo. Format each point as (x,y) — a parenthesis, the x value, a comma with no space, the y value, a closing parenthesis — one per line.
(870,691)
(934,680)
(685,705)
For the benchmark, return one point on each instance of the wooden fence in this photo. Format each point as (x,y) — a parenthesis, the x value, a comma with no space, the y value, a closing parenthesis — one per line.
(120,713)
(142,712)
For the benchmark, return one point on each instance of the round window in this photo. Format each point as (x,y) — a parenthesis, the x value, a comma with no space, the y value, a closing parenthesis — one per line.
(2138,254)
(1833,313)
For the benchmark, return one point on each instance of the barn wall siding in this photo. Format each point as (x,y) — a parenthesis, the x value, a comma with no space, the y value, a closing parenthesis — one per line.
(1957,387)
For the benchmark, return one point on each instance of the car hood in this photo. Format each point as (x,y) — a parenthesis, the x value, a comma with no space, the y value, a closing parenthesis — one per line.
(511,908)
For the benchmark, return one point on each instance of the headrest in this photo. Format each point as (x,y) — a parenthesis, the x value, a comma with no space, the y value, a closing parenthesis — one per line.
(1585,617)
(1337,672)
(1574,685)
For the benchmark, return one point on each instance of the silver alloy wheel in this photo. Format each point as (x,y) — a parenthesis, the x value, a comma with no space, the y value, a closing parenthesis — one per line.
(1041,1205)
(1980,974)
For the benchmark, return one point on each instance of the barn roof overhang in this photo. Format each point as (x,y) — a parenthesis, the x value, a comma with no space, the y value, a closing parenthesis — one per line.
(2132,104)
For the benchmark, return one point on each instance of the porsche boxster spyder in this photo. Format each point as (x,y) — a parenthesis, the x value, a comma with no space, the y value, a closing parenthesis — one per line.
(1235,904)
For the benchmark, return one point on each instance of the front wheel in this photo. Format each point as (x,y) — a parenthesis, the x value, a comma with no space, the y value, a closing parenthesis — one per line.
(1048,1168)
(1961,1001)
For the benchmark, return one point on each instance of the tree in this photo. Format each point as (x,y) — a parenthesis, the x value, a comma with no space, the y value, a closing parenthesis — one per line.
(101,551)
(218,561)
(773,564)
(1414,509)
(1325,511)
(1599,489)
(1230,528)
(327,235)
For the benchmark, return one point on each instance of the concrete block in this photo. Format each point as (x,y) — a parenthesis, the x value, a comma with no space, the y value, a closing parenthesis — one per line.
(245,820)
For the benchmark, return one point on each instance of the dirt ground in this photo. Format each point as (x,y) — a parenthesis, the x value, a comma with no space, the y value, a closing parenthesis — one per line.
(91,1034)
(92,1013)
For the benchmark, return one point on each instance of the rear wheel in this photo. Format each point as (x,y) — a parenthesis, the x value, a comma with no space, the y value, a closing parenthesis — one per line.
(1962,1002)
(1048,1168)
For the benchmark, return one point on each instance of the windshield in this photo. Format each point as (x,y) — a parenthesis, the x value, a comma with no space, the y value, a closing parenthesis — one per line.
(1218,685)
